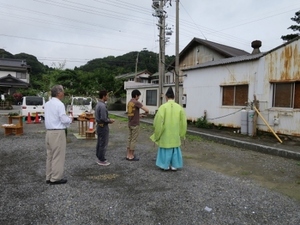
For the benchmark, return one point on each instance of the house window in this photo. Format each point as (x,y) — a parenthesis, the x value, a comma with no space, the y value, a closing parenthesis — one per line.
(21,75)
(236,95)
(286,95)
(154,81)
(168,79)
(151,97)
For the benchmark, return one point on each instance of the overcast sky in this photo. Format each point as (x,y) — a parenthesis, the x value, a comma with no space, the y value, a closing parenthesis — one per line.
(77,31)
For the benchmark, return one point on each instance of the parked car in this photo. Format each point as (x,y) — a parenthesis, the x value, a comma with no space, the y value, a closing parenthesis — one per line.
(80,105)
(33,105)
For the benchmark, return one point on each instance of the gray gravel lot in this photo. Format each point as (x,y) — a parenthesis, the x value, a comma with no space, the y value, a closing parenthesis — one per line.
(127,192)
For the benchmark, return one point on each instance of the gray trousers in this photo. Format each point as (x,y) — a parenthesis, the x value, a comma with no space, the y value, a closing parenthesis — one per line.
(56,153)
(102,142)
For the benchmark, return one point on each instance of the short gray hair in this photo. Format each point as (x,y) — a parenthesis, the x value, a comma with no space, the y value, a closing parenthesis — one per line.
(56,89)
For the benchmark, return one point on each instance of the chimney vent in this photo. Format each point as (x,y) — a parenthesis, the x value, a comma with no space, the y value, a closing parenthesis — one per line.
(256,45)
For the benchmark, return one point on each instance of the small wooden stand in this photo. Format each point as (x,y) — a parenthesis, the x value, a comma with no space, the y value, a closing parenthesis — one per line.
(90,134)
(11,128)
(83,126)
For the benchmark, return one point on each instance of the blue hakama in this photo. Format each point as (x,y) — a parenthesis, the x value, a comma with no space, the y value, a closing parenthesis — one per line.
(167,157)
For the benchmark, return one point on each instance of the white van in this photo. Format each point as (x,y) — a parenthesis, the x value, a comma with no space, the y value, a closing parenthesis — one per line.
(80,105)
(33,105)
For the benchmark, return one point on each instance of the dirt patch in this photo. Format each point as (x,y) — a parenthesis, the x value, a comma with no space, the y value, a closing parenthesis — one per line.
(272,172)
(140,193)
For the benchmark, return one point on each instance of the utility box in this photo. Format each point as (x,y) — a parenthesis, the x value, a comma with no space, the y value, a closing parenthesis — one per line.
(183,101)
(250,122)
(244,122)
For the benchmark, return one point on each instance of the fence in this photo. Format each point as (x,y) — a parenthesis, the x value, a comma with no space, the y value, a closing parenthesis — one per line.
(5,105)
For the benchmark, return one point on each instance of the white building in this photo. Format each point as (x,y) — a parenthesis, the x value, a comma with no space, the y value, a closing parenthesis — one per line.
(14,74)
(196,52)
(219,89)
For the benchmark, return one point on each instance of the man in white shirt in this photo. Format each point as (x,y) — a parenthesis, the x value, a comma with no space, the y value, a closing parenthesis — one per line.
(56,122)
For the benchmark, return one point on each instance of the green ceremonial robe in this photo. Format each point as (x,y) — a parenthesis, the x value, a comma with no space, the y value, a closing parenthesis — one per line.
(170,125)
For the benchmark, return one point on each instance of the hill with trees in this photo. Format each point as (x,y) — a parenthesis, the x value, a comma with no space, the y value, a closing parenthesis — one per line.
(144,60)
(89,78)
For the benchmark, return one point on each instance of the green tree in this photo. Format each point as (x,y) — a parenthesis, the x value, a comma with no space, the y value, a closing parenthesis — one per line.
(88,85)
(88,79)
(70,80)
(126,63)
(104,80)
(296,19)
(42,85)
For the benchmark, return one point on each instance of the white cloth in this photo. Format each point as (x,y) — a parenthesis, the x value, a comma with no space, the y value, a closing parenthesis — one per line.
(55,115)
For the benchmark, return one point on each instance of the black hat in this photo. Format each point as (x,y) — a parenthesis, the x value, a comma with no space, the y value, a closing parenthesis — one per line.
(170,93)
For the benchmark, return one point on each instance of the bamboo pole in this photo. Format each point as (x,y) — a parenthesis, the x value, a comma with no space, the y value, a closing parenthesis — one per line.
(267,124)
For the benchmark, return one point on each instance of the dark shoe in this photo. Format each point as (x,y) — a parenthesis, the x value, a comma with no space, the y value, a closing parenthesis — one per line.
(47,181)
(133,159)
(62,181)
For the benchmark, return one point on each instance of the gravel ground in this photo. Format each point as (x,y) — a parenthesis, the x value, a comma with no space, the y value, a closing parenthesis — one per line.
(129,192)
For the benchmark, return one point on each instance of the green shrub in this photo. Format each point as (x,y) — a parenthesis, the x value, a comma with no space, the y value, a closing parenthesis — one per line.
(219,127)
(203,123)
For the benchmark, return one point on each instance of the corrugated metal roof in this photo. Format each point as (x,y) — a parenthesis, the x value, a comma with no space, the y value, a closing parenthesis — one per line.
(132,84)
(129,75)
(224,50)
(226,61)
(157,74)
(247,57)
(284,44)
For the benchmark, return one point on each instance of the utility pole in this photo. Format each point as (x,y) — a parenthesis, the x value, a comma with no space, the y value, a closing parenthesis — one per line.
(162,52)
(177,54)
(158,6)
(136,65)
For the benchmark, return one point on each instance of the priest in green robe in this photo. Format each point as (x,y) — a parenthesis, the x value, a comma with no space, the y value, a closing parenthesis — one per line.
(170,127)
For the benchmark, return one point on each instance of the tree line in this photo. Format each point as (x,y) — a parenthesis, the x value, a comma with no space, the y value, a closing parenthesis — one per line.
(88,79)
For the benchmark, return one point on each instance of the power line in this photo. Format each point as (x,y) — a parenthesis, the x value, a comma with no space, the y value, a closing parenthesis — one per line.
(97,11)
(189,28)
(66,43)
(134,13)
